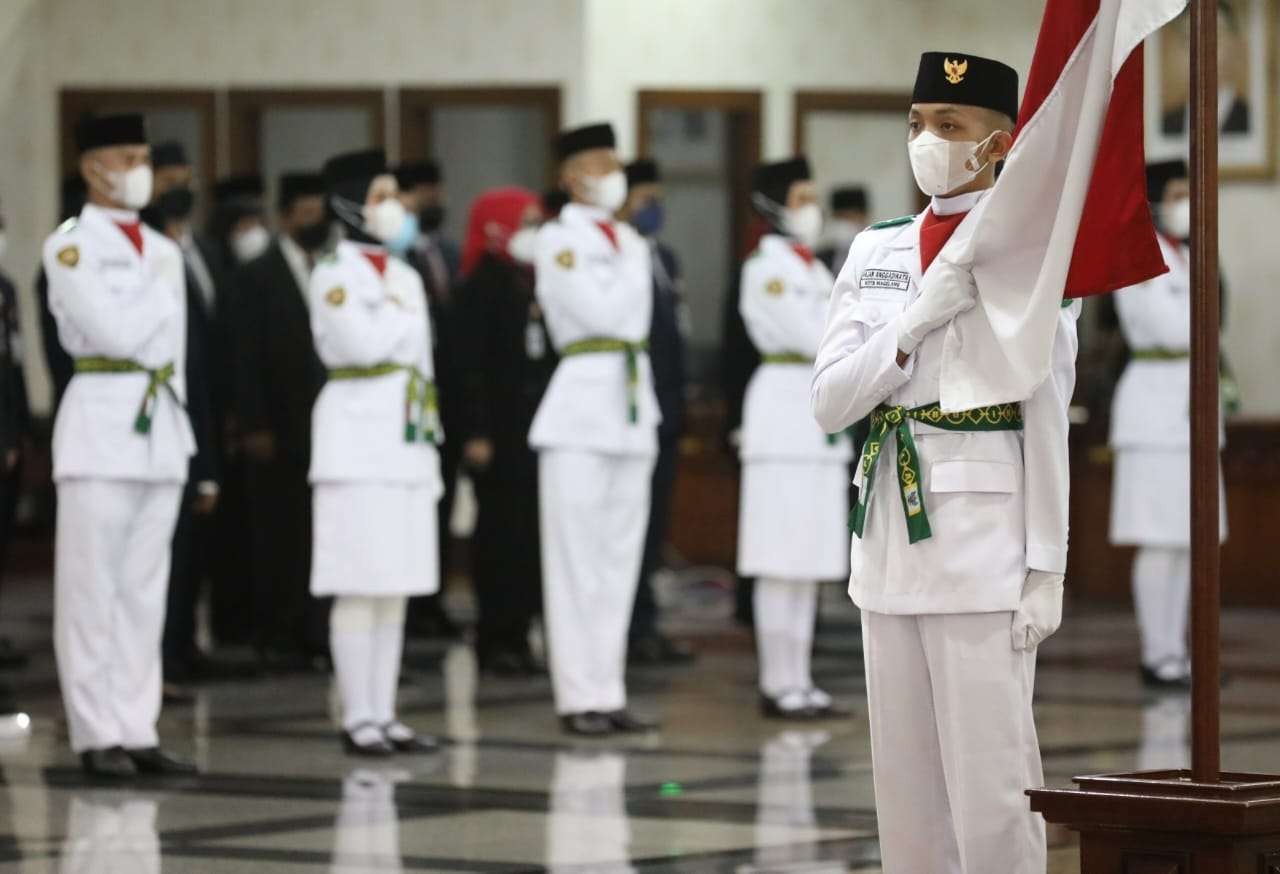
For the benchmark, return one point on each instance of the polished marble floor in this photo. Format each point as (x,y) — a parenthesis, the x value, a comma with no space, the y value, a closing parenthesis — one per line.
(719,790)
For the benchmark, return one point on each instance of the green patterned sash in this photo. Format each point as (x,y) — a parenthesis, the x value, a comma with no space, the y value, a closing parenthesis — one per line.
(421,405)
(1160,354)
(159,377)
(886,420)
(601,345)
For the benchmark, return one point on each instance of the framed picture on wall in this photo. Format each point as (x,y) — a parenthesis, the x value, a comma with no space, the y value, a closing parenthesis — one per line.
(1249,82)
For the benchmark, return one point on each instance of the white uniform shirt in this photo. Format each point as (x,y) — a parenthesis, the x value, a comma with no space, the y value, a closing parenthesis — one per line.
(997,501)
(589,288)
(361,319)
(784,303)
(111,301)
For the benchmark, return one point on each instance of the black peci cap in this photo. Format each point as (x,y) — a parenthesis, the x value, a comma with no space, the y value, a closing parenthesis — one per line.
(296,185)
(246,186)
(582,139)
(100,131)
(849,197)
(169,154)
(967,80)
(774,181)
(1160,174)
(418,173)
(642,172)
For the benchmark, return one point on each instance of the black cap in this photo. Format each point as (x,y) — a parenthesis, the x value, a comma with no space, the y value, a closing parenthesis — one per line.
(642,172)
(418,173)
(296,185)
(968,80)
(350,174)
(100,131)
(246,186)
(774,181)
(850,197)
(1160,174)
(169,154)
(582,139)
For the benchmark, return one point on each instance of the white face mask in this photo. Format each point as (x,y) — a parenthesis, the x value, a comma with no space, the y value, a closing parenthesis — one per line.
(131,188)
(384,221)
(804,223)
(523,245)
(609,192)
(842,231)
(941,166)
(251,243)
(1175,218)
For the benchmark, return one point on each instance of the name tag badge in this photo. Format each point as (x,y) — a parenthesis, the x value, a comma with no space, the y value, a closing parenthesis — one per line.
(886,285)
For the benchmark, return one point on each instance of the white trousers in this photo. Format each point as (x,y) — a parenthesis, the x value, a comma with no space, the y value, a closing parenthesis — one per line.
(1162,600)
(953,745)
(594,515)
(784,613)
(366,640)
(111,577)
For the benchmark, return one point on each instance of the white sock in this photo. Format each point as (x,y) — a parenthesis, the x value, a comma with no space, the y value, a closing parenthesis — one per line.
(1161,593)
(772,609)
(351,627)
(804,609)
(388,645)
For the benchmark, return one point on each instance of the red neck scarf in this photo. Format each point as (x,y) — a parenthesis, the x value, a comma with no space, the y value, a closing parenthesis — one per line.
(377,259)
(132,230)
(495,216)
(803,251)
(934,232)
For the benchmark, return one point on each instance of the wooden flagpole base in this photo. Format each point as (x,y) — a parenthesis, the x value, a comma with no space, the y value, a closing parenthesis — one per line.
(1162,822)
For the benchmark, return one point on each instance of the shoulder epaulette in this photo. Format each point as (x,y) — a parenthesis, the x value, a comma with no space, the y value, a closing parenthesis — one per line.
(892,223)
(330,257)
(67,225)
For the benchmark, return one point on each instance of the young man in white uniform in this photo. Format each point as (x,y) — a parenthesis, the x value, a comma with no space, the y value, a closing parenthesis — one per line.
(961,530)
(595,432)
(121,444)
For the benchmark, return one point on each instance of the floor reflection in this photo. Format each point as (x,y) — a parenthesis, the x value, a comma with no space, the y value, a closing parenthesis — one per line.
(366,831)
(111,832)
(587,827)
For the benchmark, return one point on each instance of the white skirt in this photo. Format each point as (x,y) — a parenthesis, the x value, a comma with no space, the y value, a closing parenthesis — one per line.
(375,539)
(1151,498)
(793,520)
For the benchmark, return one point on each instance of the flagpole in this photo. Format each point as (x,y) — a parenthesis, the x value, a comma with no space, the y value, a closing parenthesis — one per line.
(1205,536)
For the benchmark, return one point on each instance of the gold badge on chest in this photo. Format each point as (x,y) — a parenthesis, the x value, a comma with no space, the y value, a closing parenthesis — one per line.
(775,287)
(337,296)
(565,259)
(69,256)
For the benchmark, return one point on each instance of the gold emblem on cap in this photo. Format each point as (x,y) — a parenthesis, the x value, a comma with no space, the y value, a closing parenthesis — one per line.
(955,70)
(775,287)
(337,296)
(69,257)
(565,259)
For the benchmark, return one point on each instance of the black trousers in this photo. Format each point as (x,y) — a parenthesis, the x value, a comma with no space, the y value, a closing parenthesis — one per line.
(644,615)
(506,560)
(231,559)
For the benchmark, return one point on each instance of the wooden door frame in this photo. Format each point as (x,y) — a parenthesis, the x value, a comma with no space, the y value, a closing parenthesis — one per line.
(246,105)
(747,108)
(417,104)
(74,102)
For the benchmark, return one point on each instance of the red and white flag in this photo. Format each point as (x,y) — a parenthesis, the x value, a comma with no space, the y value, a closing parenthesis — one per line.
(1069,215)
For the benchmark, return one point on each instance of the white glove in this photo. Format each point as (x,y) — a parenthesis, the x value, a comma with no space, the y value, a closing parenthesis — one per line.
(946,291)
(1040,613)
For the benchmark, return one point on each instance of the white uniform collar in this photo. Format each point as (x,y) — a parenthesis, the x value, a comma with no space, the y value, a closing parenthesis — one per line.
(119,216)
(585,213)
(960,203)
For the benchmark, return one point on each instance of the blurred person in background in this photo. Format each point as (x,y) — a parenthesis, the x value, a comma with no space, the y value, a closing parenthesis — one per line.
(645,211)
(507,361)
(850,209)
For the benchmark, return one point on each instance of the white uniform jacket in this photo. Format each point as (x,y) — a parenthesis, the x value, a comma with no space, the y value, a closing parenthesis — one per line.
(997,501)
(1152,404)
(110,301)
(784,303)
(588,289)
(361,319)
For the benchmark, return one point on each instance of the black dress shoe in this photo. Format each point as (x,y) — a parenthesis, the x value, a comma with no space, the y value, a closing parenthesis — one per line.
(153,760)
(657,649)
(374,749)
(412,743)
(628,723)
(1152,680)
(504,663)
(176,694)
(586,724)
(770,708)
(109,764)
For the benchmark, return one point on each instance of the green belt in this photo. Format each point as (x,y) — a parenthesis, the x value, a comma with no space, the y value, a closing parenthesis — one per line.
(158,377)
(421,405)
(886,419)
(1159,354)
(632,352)
(794,358)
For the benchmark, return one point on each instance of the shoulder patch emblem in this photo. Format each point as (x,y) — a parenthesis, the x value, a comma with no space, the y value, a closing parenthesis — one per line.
(775,287)
(337,296)
(892,223)
(565,259)
(69,256)
(67,225)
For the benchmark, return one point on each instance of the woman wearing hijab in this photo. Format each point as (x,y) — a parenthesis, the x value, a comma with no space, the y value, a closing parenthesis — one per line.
(507,362)
(374,463)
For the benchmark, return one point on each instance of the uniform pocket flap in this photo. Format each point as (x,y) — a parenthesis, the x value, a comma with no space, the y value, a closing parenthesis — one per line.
(973,476)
